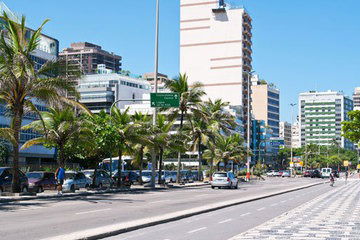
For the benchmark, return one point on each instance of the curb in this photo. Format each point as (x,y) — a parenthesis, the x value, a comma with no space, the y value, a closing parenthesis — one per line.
(116,229)
(81,194)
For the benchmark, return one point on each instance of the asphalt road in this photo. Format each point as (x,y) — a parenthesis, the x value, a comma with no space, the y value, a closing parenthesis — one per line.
(45,218)
(226,223)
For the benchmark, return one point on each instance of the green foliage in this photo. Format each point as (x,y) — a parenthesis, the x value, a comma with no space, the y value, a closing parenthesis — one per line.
(4,152)
(351,128)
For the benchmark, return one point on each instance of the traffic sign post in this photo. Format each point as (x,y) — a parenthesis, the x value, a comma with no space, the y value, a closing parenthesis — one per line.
(165,100)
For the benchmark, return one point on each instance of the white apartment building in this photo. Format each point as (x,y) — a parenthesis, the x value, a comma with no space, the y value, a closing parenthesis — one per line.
(356,98)
(215,49)
(295,135)
(320,117)
(99,91)
(285,133)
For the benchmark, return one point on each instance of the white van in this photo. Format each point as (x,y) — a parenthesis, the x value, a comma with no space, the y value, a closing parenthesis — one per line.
(325,172)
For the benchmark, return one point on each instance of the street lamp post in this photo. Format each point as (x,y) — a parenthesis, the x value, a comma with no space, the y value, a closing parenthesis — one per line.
(292,122)
(153,159)
(248,126)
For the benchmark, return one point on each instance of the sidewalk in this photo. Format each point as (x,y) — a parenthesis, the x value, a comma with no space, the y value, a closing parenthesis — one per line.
(84,192)
(333,215)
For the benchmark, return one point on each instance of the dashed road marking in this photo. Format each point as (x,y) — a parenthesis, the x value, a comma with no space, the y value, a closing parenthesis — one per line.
(93,211)
(197,230)
(225,221)
(260,209)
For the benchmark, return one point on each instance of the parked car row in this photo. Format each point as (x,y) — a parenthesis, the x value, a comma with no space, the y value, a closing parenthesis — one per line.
(39,181)
(322,173)
(281,173)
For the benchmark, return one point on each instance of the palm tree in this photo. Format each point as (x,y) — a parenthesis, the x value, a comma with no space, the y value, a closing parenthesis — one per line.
(160,139)
(20,83)
(140,147)
(126,135)
(228,148)
(59,127)
(190,97)
(221,120)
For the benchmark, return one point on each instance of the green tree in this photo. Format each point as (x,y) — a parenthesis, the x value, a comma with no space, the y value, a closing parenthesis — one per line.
(21,84)
(141,148)
(190,97)
(126,135)
(351,128)
(61,128)
(4,152)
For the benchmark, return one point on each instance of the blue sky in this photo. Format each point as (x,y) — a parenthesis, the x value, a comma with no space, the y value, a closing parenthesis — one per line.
(299,45)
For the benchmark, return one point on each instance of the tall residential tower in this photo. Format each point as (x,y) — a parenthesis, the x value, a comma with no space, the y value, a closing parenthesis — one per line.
(215,49)
(320,117)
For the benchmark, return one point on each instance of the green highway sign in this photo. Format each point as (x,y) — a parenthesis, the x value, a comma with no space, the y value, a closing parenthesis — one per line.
(165,100)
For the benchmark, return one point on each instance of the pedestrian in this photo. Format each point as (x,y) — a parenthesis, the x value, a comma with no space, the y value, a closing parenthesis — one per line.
(346,176)
(60,176)
(332,179)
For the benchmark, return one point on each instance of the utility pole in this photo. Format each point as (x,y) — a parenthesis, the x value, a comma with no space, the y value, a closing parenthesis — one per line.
(153,159)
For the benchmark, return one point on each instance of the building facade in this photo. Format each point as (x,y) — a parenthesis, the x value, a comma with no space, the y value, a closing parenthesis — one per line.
(87,56)
(356,98)
(162,78)
(295,135)
(47,50)
(320,117)
(215,49)
(99,91)
(266,103)
(285,133)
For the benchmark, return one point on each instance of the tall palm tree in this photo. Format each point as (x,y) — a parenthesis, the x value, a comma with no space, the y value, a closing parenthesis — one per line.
(126,133)
(228,148)
(160,139)
(140,147)
(190,97)
(20,83)
(59,127)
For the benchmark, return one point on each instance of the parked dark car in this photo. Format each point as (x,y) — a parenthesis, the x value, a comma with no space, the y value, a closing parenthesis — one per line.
(40,181)
(316,174)
(336,173)
(132,175)
(102,179)
(124,177)
(186,176)
(6,176)
(308,173)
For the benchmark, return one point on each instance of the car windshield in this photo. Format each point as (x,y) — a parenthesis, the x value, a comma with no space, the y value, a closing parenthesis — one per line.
(147,174)
(220,175)
(34,175)
(1,170)
(89,173)
(69,175)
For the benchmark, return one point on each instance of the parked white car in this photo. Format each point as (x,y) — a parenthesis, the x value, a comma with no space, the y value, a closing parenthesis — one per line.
(75,181)
(325,172)
(273,173)
(286,174)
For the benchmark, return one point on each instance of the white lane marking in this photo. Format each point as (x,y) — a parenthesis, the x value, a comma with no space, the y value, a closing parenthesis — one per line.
(245,214)
(196,230)
(226,220)
(159,201)
(291,199)
(274,204)
(283,201)
(193,220)
(260,209)
(93,211)
(31,208)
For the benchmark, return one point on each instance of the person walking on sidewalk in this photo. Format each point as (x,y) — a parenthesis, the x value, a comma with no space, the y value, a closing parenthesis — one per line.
(60,176)
(346,176)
